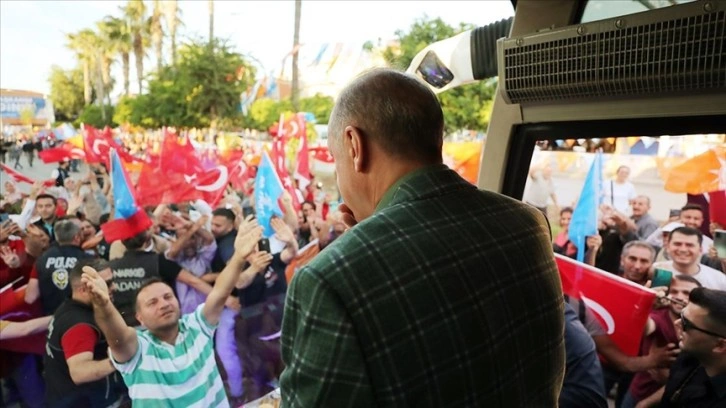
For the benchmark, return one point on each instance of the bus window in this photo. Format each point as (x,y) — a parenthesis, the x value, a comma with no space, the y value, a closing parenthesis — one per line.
(602,9)
(631,166)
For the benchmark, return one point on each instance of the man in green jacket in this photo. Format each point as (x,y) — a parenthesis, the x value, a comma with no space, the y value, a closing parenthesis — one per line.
(439,294)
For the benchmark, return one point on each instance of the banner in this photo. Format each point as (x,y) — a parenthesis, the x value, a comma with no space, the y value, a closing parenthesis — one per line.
(621,306)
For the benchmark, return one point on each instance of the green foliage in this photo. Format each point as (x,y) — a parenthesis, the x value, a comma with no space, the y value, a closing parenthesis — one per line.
(465,107)
(265,112)
(66,92)
(319,105)
(203,88)
(93,116)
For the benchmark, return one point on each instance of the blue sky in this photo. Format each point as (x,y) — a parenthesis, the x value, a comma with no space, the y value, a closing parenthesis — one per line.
(32,33)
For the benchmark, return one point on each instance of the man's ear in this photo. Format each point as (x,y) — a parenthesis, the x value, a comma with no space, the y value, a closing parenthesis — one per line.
(357,147)
(720,347)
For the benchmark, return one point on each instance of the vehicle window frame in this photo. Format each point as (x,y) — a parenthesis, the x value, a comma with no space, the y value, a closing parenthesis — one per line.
(524,137)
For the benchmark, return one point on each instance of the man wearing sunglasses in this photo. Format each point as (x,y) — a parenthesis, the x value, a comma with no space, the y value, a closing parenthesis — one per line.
(78,371)
(698,377)
(647,387)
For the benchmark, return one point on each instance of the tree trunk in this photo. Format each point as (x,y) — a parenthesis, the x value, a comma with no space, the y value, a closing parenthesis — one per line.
(87,82)
(295,53)
(173,45)
(139,57)
(100,94)
(126,66)
(157,35)
(211,20)
(158,44)
(107,78)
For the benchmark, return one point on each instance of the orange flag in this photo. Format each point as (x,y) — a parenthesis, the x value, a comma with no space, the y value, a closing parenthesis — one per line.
(463,157)
(700,174)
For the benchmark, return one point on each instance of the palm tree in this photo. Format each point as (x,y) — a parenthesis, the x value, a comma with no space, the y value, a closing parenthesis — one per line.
(117,36)
(210,5)
(82,43)
(295,53)
(172,14)
(157,34)
(135,14)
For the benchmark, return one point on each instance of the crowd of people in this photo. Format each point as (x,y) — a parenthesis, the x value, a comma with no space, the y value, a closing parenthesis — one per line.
(427,291)
(50,234)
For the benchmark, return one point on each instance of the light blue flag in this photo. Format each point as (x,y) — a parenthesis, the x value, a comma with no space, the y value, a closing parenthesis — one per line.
(584,217)
(268,190)
(124,203)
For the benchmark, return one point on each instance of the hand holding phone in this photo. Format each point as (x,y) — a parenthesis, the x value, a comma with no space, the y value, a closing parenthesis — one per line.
(661,278)
(264,245)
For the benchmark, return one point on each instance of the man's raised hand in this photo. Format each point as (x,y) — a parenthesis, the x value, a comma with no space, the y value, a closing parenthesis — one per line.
(96,286)
(282,230)
(248,234)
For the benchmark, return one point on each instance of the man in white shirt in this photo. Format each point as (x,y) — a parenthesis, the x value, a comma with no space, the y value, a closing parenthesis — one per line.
(540,188)
(684,249)
(620,193)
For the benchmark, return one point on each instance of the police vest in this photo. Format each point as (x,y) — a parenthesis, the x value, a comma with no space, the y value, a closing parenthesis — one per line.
(59,384)
(53,268)
(63,174)
(129,272)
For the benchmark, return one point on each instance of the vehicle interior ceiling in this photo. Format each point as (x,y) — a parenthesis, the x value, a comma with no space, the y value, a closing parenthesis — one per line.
(576,69)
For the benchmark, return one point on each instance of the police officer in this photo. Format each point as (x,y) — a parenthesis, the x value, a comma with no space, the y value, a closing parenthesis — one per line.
(78,372)
(49,279)
(61,173)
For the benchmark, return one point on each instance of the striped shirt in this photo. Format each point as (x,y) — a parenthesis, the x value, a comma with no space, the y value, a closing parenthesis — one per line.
(180,375)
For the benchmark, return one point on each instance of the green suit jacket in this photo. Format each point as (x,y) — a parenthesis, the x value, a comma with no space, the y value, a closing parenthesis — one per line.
(445,296)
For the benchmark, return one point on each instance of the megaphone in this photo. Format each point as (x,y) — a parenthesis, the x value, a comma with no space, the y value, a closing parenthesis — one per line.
(462,59)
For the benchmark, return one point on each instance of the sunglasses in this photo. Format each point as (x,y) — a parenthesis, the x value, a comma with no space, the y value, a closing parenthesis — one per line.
(688,325)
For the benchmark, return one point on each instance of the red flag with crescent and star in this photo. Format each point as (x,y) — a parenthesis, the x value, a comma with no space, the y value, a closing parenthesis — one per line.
(621,306)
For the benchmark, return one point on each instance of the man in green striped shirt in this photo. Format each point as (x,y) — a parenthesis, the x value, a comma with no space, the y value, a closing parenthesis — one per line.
(170,363)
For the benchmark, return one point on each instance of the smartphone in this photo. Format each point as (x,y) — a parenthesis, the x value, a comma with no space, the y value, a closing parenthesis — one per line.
(674,213)
(661,277)
(719,242)
(247,211)
(264,245)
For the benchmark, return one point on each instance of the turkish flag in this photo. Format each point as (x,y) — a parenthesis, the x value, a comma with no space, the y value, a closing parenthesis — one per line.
(178,156)
(239,172)
(621,305)
(302,170)
(157,186)
(277,155)
(97,146)
(65,151)
(717,207)
(212,184)
(322,154)
(20,178)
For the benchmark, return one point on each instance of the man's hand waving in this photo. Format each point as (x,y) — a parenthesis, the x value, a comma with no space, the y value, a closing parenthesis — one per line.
(96,286)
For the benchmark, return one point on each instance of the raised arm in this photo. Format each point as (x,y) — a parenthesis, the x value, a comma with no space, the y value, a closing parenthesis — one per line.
(182,239)
(121,338)
(15,330)
(285,234)
(248,235)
